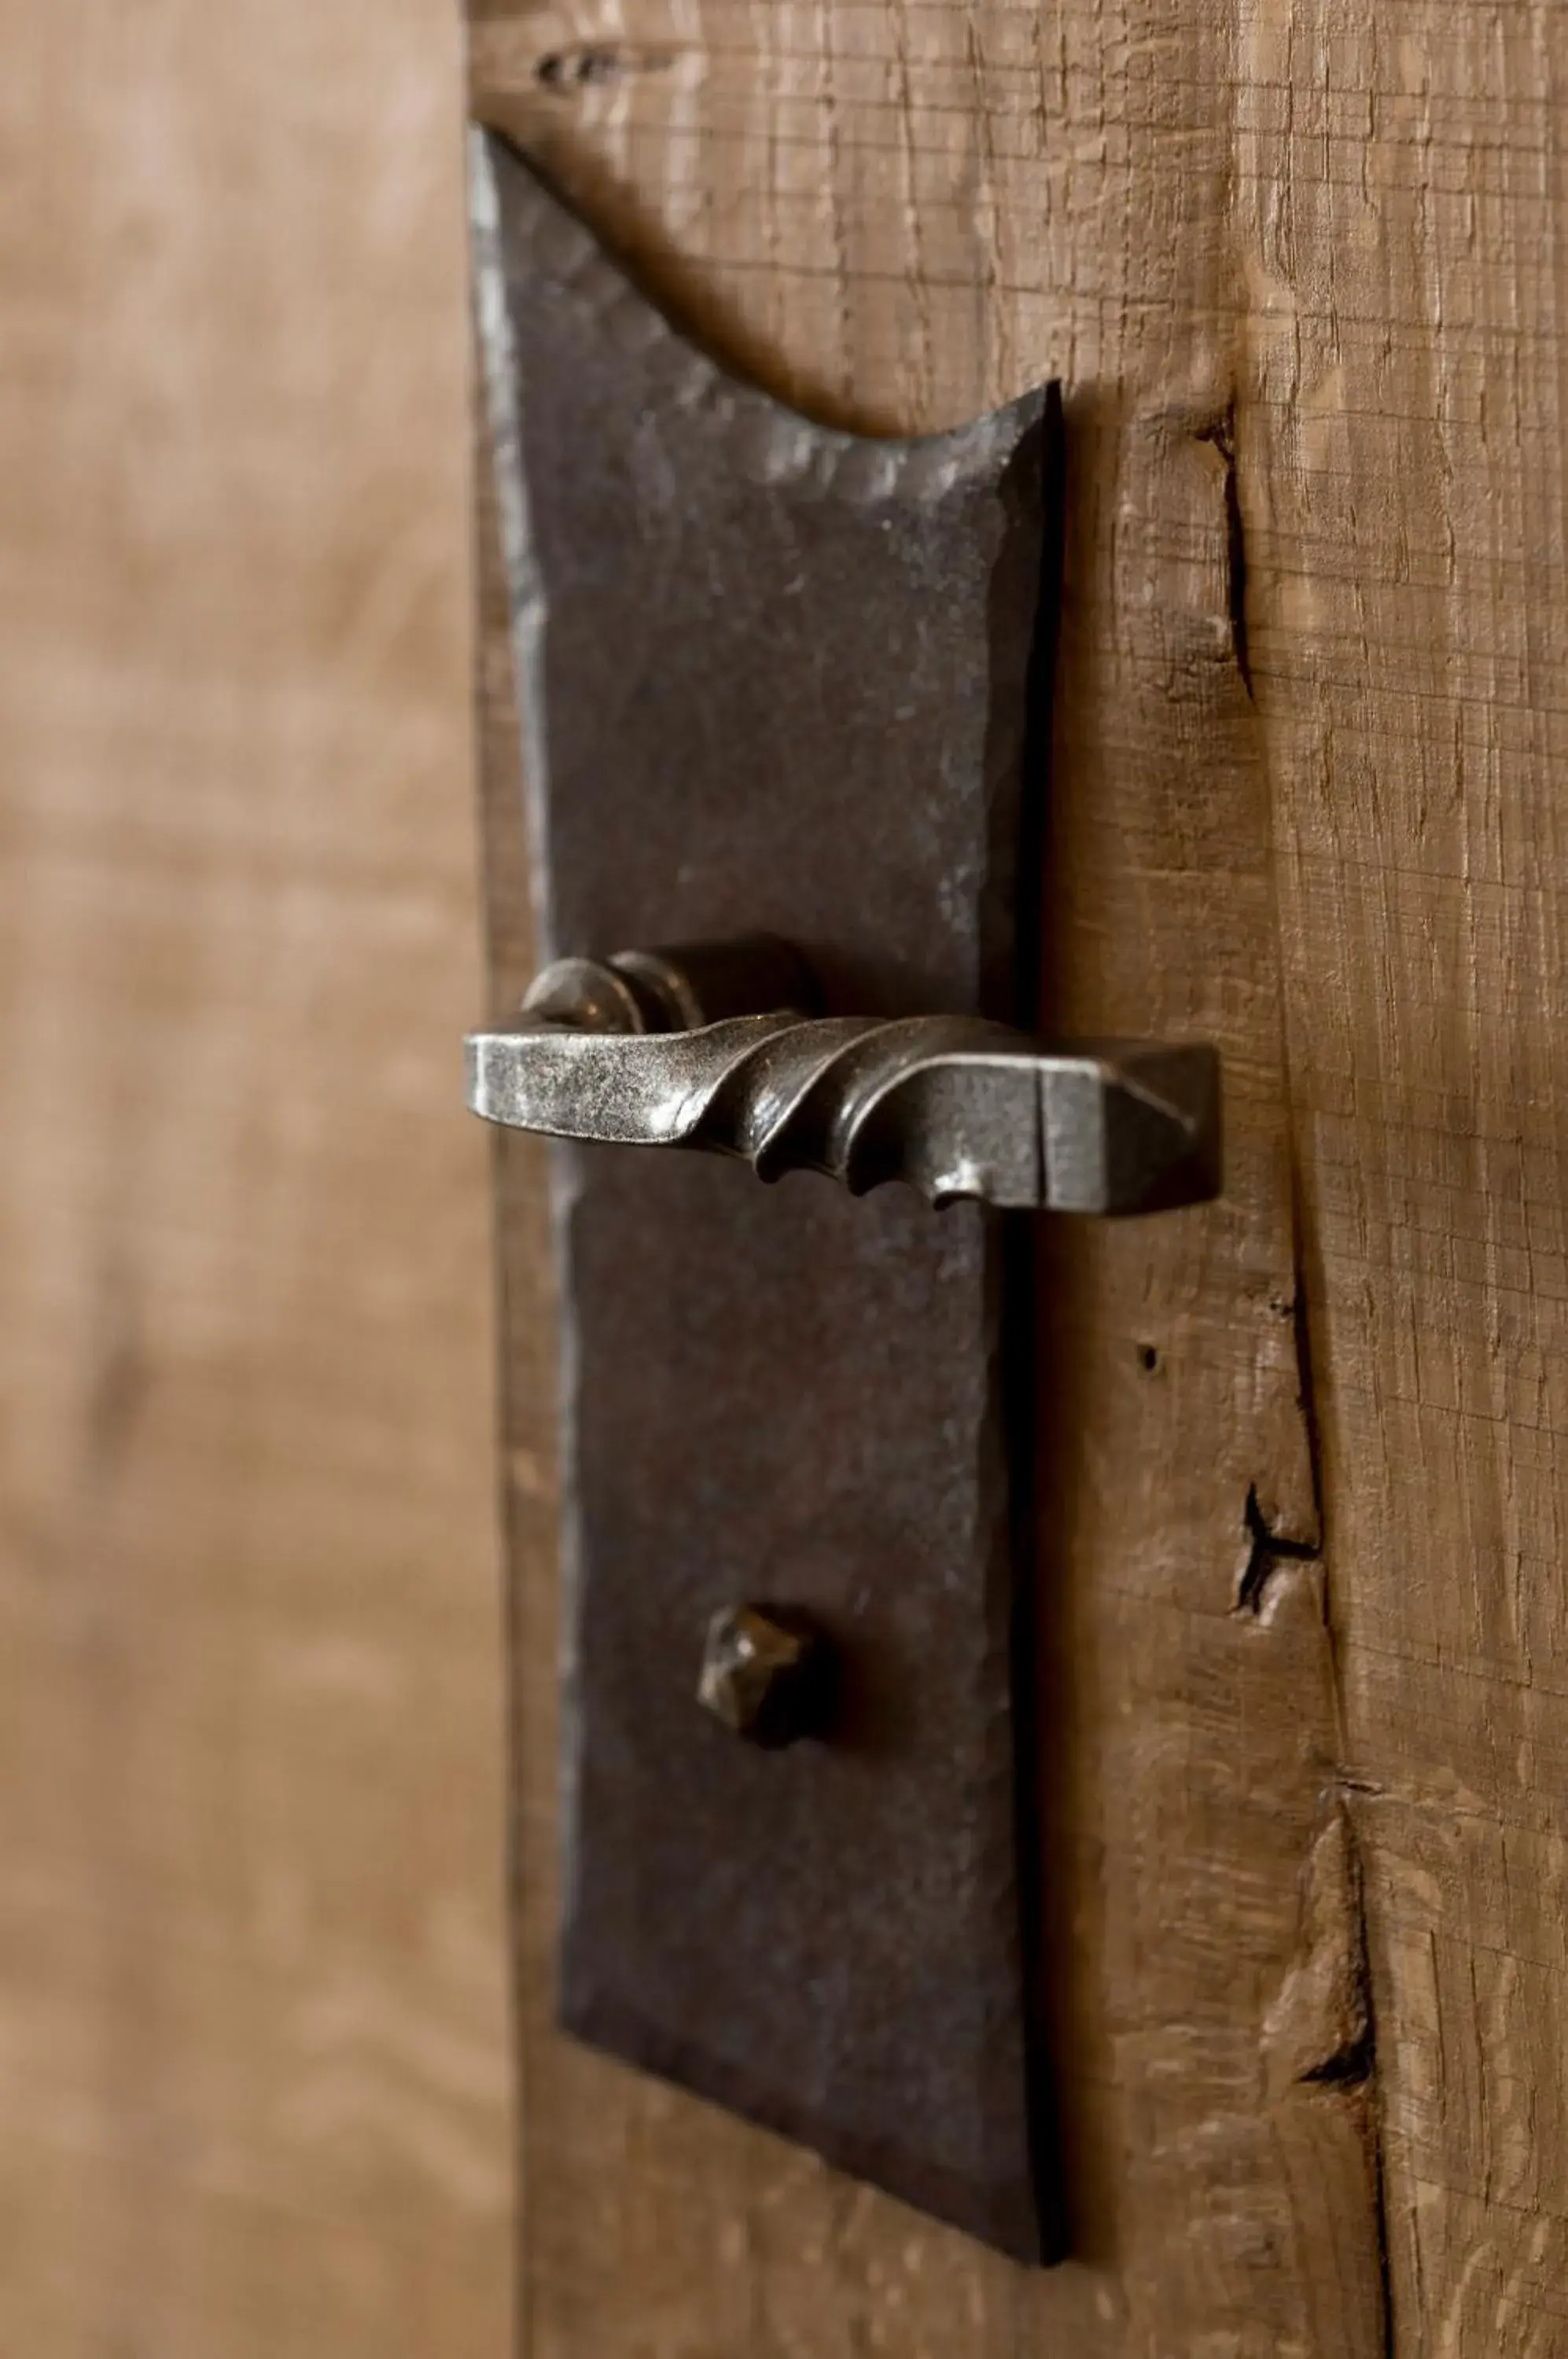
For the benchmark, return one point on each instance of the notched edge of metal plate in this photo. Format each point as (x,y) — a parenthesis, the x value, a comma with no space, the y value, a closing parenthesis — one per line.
(771,444)
(767,440)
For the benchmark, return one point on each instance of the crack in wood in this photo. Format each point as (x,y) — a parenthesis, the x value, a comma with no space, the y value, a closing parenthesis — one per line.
(1220,433)
(1363,2053)
(1268,1550)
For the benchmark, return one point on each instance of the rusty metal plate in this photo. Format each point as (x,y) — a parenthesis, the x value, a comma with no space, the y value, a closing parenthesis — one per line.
(776,678)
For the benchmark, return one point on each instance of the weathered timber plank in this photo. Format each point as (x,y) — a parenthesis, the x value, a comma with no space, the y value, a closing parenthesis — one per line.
(1402,186)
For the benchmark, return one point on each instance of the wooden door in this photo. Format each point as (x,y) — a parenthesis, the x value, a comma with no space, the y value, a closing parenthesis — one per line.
(1297,269)
(254,2055)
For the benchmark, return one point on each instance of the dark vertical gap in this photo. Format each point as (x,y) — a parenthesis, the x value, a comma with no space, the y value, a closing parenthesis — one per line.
(1366,2062)
(1020,1373)
(1380,2226)
(1222,434)
(1375,2133)
(1373,2098)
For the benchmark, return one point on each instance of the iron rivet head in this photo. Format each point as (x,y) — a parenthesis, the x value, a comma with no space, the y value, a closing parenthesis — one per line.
(764,1674)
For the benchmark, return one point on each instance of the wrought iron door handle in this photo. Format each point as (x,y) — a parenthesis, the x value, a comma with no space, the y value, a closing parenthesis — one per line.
(772,675)
(715,1047)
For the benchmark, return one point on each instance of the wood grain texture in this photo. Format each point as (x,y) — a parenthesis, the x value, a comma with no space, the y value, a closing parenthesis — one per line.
(1401,180)
(253,2053)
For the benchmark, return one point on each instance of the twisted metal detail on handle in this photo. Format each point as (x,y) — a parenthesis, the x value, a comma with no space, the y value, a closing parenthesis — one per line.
(664,1048)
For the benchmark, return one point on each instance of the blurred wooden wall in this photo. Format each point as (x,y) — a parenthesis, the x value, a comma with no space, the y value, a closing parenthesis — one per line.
(254,2074)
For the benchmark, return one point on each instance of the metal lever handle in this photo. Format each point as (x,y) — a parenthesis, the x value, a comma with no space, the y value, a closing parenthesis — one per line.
(711,1048)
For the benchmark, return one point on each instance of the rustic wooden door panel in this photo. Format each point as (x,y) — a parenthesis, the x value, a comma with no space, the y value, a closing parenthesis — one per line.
(1402,459)
(1298,270)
